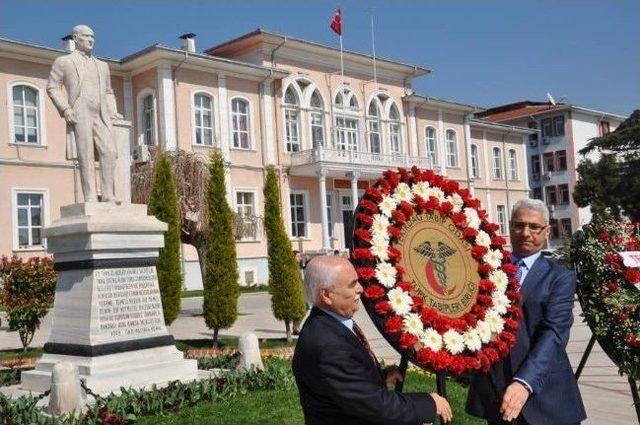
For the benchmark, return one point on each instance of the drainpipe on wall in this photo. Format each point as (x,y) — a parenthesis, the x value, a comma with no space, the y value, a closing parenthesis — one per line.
(273,52)
(506,176)
(174,81)
(467,149)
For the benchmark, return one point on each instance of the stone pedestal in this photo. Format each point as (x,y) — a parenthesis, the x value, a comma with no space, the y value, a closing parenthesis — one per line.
(107,314)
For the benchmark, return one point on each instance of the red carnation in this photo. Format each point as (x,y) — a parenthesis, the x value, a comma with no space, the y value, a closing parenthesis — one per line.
(374,193)
(470,319)
(431,204)
(394,232)
(428,315)
(424,356)
(445,208)
(498,241)
(632,275)
(441,360)
(441,324)
(514,296)
(366,273)
(483,214)
(510,269)
(611,258)
(511,324)
(417,174)
(459,325)
(394,253)
(632,245)
(515,312)
(458,365)
(485,363)
(501,347)
(611,287)
(490,227)
(632,340)
(369,206)
(417,302)
(406,209)
(478,311)
(469,233)
(464,193)
(383,186)
(460,220)
(451,186)
(406,286)
(484,269)
(486,285)
(393,324)
(508,338)
(513,282)
(401,271)
(383,307)
(491,354)
(604,235)
(407,340)
(374,292)
(362,254)
(484,300)
(398,217)
(404,175)
(437,180)
(391,177)
(366,220)
(477,252)
(363,235)
(473,203)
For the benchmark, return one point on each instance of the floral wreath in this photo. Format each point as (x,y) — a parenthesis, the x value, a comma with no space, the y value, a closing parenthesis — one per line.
(609,290)
(472,342)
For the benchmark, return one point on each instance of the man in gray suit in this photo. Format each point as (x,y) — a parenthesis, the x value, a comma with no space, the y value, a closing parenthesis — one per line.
(88,109)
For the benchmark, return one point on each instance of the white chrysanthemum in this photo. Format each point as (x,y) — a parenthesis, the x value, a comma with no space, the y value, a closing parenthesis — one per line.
(483,239)
(499,279)
(472,340)
(412,324)
(435,191)
(421,189)
(500,302)
(473,220)
(403,193)
(484,331)
(431,339)
(379,248)
(453,341)
(386,274)
(379,226)
(495,321)
(387,205)
(400,301)
(493,258)
(457,202)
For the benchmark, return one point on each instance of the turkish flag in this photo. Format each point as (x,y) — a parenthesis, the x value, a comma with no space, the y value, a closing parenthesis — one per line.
(336,22)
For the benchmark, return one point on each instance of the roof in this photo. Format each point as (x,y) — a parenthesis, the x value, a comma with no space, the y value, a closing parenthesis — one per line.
(421,100)
(221,49)
(527,108)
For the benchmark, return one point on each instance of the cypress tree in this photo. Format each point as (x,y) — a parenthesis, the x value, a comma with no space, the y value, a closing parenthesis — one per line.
(285,283)
(163,204)
(221,290)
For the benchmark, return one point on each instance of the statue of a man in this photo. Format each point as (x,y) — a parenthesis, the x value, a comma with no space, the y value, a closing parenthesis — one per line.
(89,109)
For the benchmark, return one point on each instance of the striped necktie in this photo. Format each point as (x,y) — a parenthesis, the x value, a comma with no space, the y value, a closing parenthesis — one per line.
(358,331)
(520,265)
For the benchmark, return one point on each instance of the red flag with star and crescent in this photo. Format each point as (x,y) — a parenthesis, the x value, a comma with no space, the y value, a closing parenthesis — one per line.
(336,22)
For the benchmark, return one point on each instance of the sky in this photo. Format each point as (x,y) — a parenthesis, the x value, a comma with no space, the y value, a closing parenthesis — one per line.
(484,53)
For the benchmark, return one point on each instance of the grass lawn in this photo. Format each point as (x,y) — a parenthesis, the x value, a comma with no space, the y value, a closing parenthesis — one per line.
(282,407)
(231,342)
(243,290)
(19,354)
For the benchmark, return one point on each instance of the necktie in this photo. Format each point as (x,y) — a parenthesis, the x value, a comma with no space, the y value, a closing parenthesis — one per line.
(520,265)
(363,340)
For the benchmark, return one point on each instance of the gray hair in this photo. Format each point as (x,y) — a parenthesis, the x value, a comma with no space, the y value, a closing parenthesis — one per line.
(531,204)
(321,273)
(76,30)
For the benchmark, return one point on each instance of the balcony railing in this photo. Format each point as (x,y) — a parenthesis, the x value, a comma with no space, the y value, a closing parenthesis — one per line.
(320,154)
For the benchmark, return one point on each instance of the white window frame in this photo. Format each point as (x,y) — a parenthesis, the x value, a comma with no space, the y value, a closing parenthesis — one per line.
(347,131)
(41,115)
(305,208)
(395,137)
(428,153)
(475,161)
(253,191)
(316,112)
(140,113)
(497,166)
(513,164)
(249,130)
(452,155)
(502,219)
(201,128)
(14,216)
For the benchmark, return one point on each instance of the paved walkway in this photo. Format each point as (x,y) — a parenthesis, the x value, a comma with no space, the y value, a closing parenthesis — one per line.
(606,395)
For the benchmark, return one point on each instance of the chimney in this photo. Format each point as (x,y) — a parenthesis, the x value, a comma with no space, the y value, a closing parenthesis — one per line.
(188,42)
(68,44)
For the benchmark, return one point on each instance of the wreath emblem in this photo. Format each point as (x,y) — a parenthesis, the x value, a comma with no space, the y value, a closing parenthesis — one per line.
(437,282)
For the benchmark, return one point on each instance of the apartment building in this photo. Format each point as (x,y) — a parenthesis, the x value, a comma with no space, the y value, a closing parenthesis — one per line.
(552,154)
(260,99)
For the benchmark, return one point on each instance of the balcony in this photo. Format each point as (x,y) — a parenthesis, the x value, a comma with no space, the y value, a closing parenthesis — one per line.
(308,162)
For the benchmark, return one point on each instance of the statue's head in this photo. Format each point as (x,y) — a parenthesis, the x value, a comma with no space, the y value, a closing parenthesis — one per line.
(83,37)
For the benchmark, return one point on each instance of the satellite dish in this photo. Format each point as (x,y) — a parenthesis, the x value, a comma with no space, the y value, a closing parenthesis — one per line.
(551,99)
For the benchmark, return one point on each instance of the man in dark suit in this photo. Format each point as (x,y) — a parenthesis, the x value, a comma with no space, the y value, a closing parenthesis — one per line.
(535,384)
(336,372)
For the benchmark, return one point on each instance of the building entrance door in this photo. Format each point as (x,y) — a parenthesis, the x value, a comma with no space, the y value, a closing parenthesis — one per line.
(347,220)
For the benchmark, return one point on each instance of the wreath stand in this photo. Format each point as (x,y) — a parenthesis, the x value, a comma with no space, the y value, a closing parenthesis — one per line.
(441,382)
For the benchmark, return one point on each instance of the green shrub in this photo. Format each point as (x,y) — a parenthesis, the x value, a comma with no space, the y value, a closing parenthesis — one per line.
(163,204)
(27,294)
(285,283)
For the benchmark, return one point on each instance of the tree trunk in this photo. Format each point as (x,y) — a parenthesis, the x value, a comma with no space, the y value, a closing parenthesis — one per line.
(287,325)
(202,259)
(215,337)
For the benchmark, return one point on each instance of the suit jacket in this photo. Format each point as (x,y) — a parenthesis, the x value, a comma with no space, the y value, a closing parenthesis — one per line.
(539,356)
(340,384)
(68,72)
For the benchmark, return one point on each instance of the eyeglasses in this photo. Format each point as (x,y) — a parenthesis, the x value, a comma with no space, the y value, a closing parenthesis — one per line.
(520,226)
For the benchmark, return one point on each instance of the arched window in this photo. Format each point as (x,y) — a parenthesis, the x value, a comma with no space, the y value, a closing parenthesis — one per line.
(452,148)
(203,110)
(373,127)
(317,119)
(394,130)
(475,162)
(497,163)
(513,165)
(240,123)
(430,144)
(26,115)
(346,121)
(291,120)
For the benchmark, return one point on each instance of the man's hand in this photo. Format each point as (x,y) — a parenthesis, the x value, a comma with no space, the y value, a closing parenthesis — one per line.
(442,407)
(393,375)
(515,397)
(70,116)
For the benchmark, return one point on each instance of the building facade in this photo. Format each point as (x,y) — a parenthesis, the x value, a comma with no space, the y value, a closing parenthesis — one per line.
(553,154)
(261,99)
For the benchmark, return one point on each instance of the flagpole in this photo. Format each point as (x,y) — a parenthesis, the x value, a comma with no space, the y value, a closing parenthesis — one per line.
(373,47)
(342,81)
